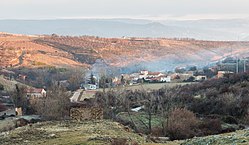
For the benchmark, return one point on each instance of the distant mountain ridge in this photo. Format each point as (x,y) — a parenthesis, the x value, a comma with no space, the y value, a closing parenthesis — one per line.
(233,30)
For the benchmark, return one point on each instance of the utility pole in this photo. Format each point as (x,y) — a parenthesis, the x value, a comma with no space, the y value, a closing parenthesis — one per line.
(237,66)
(244,65)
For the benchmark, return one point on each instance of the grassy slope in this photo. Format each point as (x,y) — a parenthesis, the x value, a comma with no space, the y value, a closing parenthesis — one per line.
(68,133)
(9,85)
(82,132)
(240,137)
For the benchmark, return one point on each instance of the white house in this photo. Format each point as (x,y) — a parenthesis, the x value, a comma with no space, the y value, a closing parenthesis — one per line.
(90,87)
(143,74)
(165,79)
(200,78)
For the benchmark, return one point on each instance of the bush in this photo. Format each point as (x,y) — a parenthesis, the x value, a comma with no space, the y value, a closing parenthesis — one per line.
(119,141)
(157,131)
(2,107)
(210,126)
(182,124)
(230,120)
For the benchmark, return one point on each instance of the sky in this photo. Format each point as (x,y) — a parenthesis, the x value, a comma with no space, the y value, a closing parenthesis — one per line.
(145,9)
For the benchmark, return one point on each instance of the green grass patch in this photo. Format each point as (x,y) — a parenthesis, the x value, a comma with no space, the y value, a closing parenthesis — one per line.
(141,119)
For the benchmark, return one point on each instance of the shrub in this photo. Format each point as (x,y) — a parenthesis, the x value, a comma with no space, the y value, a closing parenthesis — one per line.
(2,107)
(157,131)
(230,120)
(245,119)
(119,141)
(182,124)
(210,126)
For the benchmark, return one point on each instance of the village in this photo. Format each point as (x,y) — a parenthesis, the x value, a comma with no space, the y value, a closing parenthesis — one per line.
(93,84)
(127,98)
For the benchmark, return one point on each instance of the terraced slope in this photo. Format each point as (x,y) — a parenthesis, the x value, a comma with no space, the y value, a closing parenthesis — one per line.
(66,51)
(21,51)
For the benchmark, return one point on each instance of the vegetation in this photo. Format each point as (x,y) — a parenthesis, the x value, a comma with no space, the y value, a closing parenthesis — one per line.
(70,132)
(55,106)
(83,51)
(1,87)
(217,102)
(181,124)
(46,77)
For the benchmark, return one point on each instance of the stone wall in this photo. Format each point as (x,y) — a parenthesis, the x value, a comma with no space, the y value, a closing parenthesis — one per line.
(86,113)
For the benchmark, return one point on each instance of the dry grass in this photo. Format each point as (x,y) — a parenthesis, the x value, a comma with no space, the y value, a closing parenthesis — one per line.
(147,87)
(9,85)
(67,133)
(61,51)
(6,125)
(100,133)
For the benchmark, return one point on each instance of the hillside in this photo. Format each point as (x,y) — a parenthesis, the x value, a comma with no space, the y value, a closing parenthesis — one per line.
(102,132)
(70,132)
(10,85)
(19,50)
(155,54)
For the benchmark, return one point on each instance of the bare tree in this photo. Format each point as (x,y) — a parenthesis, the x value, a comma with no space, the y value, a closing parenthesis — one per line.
(77,76)
(20,99)
(56,105)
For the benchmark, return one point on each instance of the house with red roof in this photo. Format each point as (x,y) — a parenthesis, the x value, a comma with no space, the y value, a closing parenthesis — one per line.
(35,93)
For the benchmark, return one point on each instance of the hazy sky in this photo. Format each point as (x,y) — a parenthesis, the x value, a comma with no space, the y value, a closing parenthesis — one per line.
(154,9)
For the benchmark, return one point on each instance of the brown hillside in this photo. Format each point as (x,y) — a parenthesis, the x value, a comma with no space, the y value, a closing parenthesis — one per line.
(22,51)
(65,51)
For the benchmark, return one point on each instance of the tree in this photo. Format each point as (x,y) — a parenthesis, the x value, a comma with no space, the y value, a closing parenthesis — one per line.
(56,105)
(122,80)
(1,87)
(20,99)
(193,68)
(76,78)
(92,80)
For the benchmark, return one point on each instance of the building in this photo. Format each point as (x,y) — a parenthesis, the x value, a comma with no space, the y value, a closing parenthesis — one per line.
(143,74)
(155,74)
(166,79)
(90,87)
(222,74)
(200,78)
(32,93)
(146,74)
(161,79)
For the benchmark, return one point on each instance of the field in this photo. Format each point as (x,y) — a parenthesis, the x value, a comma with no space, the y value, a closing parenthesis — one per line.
(140,118)
(147,87)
